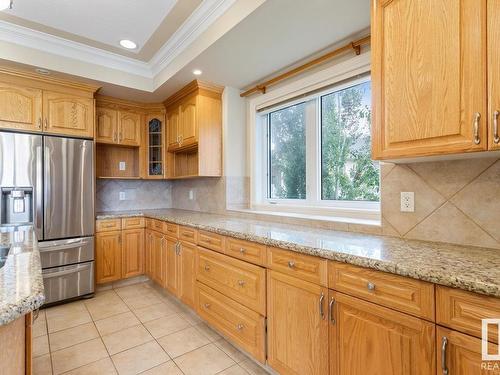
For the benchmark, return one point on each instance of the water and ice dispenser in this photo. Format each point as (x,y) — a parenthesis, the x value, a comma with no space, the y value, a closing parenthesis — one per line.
(16,205)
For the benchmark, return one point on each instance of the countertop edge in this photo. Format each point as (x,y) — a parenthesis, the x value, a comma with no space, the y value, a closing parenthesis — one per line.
(454,281)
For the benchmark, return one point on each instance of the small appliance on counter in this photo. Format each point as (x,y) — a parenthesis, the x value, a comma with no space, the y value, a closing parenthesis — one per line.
(48,182)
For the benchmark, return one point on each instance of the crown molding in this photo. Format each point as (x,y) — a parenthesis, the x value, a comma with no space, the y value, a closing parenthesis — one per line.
(198,22)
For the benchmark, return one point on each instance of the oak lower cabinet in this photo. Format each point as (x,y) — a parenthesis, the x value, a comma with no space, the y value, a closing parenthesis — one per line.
(297,327)
(133,252)
(186,273)
(108,257)
(369,339)
(159,258)
(461,354)
(172,266)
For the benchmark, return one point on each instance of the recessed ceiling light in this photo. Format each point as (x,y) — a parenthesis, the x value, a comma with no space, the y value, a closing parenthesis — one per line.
(128,44)
(197,72)
(5,4)
(45,72)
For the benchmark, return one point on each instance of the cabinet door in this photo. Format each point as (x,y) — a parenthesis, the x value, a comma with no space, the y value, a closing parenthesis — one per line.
(155,146)
(187,275)
(461,354)
(129,125)
(173,129)
(108,257)
(68,114)
(20,107)
(369,339)
(159,258)
(494,73)
(133,252)
(172,267)
(297,325)
(428,77)
(147,254)
(107,125)
(188,124)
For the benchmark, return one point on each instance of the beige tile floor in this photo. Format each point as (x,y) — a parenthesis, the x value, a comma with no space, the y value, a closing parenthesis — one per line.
(135,329)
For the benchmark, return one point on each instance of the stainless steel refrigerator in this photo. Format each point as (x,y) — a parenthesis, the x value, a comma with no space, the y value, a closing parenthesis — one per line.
(48,182)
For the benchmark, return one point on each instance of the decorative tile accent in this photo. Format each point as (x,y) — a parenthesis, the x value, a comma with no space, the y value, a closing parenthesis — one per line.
(427,199)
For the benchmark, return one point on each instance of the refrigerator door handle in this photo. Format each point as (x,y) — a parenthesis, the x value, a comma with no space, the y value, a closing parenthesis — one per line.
(39,193)
(47,193)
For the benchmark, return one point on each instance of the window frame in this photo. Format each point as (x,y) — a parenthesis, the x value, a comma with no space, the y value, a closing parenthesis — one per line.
(346,74)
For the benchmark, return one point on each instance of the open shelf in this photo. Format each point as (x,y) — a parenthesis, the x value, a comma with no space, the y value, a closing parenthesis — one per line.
(109,158)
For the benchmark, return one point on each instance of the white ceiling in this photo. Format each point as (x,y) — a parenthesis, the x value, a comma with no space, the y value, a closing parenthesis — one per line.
(277,34)
(104,21)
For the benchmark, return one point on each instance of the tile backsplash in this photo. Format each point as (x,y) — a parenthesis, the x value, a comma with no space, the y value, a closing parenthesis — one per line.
(455,201)
(139,195)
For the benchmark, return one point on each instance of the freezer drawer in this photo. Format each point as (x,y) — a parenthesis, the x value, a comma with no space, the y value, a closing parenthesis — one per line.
(68,282)
(65,252)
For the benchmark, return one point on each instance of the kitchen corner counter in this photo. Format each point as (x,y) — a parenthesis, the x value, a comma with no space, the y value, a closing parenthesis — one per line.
(469,268)
(21,282)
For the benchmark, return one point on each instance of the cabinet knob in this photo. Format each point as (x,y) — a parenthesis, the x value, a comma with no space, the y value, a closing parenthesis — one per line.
(207,305)
(241,282)
(242,250)
(207,267)
(240,326)
(291,264)
(370,286)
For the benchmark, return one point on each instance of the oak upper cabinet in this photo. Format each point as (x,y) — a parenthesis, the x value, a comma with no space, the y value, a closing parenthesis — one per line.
(68,114)
(461,354)
(108,256)
(172,266)
(297,330)
(429,77)
(187,275)
(369,339)
(107,125)
(187,123)
(173,128)
(494,73)
(20,107)
(133,252)
(129,128)
(155,146)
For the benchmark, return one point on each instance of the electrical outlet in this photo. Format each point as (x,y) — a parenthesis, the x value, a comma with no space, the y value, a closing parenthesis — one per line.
(122,166)
(191,194)
(122,196)
(407,201)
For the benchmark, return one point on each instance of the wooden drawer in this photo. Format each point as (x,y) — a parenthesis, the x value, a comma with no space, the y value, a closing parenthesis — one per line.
(463,311)
(171,229)
(156,225)
(305,267)
(133,223)
(248,251)
(243,326)
(400,293)
(108,225)
(241,281)
(188,234)
(211,240)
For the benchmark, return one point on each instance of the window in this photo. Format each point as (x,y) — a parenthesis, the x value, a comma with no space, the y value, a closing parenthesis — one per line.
(318,154)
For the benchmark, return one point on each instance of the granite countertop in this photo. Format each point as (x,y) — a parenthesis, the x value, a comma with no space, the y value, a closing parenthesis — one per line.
(21,282)
(465,267)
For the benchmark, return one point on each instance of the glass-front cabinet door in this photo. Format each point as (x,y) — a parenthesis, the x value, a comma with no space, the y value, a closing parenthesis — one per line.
(155,152)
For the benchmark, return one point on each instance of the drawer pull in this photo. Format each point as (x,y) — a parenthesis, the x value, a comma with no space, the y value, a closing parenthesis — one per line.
(475,127)
(444,344)
(207,267)
(321,299)
(241,282)
(496,137)
(330,310)
(207,305)
(291,264)
(370,286)
(242,250)
(240,326)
